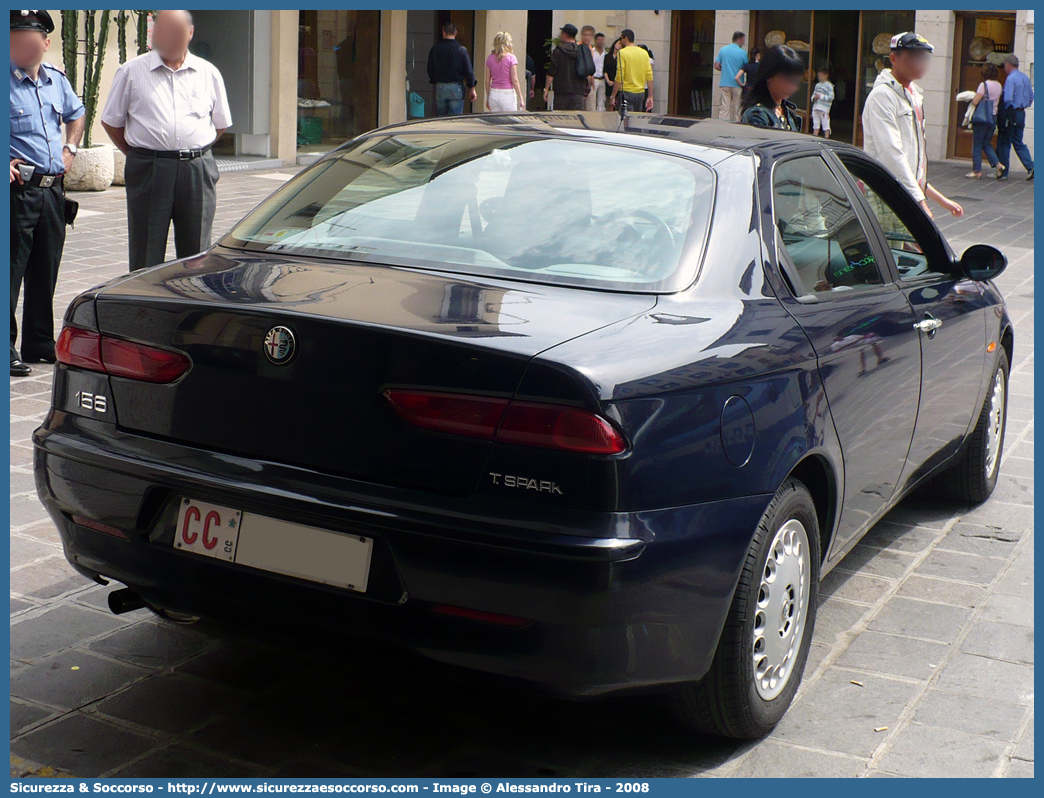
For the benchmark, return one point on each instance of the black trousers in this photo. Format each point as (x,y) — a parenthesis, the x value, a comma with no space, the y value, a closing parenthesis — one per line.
(165,190)
(37,241)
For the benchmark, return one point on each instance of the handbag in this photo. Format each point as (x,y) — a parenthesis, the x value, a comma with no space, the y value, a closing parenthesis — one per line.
(983,114)
(415,104)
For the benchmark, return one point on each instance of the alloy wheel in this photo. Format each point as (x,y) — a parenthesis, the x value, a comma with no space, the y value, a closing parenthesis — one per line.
(782,609)
(995,429)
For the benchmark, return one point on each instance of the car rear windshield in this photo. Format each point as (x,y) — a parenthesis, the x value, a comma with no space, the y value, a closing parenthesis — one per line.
(537,209)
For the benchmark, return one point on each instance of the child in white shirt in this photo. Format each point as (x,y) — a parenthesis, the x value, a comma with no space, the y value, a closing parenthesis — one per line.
(822,99)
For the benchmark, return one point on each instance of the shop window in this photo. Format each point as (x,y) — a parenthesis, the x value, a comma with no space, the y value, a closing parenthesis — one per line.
(338,76)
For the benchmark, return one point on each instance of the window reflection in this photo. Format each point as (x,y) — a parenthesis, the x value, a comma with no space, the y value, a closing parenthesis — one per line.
(820,231)
(547,210)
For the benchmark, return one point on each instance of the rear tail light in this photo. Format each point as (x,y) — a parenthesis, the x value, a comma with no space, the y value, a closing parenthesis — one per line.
(139,362)
(121,358)
(475,416)
(548,426)
(567,428)
(80,348)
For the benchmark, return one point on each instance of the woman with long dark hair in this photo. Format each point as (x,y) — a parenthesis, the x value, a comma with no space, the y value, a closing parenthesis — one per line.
(768,103)
(609,66)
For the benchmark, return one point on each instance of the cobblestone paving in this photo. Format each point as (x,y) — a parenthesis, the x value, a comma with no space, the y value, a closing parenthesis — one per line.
(922,663)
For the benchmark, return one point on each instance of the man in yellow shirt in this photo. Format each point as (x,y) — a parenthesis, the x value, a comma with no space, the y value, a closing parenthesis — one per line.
(633,74)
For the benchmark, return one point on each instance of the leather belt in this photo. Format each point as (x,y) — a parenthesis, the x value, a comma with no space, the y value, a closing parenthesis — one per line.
(179,155)
(45,181)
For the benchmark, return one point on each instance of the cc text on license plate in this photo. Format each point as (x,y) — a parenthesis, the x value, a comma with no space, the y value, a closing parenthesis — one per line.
(208,529)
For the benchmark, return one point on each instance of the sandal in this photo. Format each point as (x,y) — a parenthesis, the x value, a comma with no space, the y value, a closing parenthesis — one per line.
(974,175)
(1000,169)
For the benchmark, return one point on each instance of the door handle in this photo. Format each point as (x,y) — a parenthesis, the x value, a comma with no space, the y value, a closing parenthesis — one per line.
(928,325)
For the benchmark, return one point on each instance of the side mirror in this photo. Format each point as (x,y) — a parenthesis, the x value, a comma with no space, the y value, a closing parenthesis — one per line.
(981,262)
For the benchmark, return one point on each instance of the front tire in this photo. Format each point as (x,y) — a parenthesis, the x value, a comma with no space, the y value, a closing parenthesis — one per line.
(761,655)
(974,476)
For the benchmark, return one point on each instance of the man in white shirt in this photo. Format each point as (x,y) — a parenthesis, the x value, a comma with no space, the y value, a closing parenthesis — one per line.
(164,111)
(596,99)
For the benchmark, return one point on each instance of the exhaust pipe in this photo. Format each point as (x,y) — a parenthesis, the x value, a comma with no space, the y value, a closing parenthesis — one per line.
(124,600)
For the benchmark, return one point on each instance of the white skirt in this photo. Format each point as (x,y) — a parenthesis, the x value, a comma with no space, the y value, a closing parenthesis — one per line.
(503,100)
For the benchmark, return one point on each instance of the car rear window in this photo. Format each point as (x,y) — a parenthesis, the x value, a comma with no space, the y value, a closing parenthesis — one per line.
(538,209)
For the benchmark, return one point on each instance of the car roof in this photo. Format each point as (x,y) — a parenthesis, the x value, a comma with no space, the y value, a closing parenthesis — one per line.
(707,135)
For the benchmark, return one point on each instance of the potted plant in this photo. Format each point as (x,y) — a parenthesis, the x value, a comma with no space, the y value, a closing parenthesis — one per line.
(94,167)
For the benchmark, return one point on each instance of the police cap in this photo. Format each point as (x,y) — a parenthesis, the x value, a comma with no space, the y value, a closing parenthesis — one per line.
(32,20)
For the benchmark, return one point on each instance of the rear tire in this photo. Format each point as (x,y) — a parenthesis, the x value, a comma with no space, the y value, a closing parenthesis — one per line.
(761,655)
(974,476)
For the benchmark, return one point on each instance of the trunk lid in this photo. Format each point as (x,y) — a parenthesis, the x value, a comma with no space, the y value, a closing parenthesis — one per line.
(358,329)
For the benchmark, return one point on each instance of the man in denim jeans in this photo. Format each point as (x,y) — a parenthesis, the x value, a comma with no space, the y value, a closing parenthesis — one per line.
(449,69)
(1018,96)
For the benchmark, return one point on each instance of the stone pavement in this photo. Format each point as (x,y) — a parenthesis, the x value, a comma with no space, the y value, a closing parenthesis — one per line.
(922,663)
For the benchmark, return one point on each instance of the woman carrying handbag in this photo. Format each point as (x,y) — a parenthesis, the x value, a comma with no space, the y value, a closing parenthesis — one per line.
(984,122)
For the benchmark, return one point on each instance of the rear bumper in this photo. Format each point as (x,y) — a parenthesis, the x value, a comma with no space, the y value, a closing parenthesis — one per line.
(617,600)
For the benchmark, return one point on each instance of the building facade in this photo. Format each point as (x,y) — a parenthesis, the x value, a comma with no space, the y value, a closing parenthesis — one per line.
(301,82)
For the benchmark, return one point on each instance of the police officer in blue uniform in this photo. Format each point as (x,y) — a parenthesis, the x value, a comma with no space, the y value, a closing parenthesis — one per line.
(42,99)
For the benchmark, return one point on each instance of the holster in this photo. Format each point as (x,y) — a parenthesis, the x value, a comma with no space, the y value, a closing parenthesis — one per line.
(72,207)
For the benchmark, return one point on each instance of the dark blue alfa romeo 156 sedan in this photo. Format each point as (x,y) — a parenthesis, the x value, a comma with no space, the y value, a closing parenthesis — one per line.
(590,402)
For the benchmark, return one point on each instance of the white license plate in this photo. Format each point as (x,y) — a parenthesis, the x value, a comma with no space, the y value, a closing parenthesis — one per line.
(257,541)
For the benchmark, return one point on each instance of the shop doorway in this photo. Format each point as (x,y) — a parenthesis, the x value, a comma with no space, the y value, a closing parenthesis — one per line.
(979,39)
(338,70)
(423,30)
(538,31)
(832,48)
(692,75)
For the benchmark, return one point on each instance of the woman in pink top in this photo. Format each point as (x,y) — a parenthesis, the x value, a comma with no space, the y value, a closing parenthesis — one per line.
(503,92)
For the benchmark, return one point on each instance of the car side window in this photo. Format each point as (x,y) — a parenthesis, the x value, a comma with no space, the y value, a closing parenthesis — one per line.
(911,260)
(820,231)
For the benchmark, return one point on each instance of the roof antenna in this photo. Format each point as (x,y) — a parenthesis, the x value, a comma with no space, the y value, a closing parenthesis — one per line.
(623,112)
